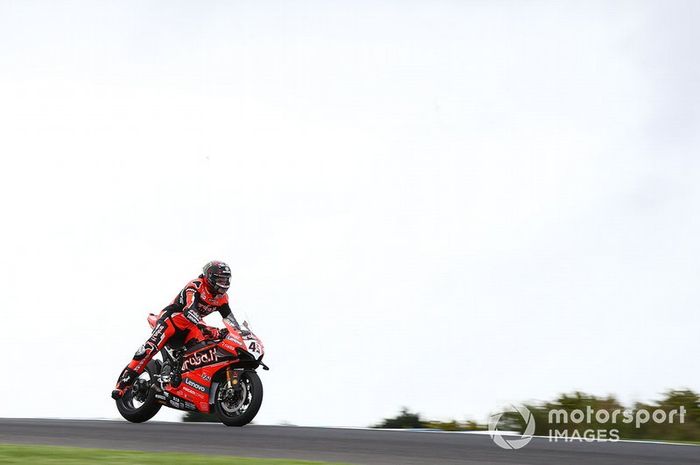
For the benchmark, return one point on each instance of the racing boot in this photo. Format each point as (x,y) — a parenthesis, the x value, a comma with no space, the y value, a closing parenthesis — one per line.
(126,379)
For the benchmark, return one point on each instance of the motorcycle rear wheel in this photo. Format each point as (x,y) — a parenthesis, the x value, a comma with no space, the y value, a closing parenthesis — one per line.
(129,405)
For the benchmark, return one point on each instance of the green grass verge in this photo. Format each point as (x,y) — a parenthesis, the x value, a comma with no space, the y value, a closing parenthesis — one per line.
(59,455)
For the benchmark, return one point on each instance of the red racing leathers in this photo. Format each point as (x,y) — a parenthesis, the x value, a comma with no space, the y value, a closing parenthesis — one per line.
(179,323)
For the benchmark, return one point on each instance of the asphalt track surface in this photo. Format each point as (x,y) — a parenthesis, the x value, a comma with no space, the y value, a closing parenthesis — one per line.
(375,447)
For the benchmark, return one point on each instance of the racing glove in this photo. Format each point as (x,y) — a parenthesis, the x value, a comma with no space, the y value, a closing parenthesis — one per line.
(209,332)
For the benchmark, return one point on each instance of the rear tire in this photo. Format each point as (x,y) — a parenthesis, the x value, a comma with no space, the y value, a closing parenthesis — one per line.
(252,403)
(150,406)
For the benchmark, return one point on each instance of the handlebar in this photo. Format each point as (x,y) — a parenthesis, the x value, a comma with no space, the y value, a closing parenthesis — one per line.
(224,332)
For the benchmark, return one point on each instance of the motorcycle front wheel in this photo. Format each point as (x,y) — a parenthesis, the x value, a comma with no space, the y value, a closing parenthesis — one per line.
(237,406)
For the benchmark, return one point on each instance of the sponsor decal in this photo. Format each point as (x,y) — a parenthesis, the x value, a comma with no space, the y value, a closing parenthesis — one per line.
(193,316)
(236,338)
(205,309)
(157,334)
(230,346)
(197,386)
(190,391)
(206,377)
(180,404)
(200,358)
(138,367)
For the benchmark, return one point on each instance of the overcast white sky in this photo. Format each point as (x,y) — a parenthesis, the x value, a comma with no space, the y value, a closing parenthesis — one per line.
(445,205)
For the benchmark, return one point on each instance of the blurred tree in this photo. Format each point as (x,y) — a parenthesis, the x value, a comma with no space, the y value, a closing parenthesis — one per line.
(405,420)
(672,428)
(688,430)
(600,414)
(408,420)
(200,417)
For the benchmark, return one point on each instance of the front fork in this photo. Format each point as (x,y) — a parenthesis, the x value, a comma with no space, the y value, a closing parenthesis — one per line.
(232,377)
(232,386)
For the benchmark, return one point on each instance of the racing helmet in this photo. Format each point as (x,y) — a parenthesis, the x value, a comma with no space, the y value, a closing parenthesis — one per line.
(217,276)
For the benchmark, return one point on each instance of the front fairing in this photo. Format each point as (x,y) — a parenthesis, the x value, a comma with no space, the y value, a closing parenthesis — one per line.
(243,340)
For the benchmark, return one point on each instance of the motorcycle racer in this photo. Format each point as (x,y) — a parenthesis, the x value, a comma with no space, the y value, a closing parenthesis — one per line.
(181,322)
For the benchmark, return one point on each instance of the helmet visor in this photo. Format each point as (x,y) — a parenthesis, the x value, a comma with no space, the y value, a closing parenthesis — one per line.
(221,282)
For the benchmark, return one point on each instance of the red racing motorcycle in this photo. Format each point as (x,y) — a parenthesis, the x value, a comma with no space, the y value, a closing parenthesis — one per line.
(214,375)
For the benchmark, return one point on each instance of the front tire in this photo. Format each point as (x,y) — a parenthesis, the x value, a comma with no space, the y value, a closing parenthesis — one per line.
(139,404)
(239,408)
